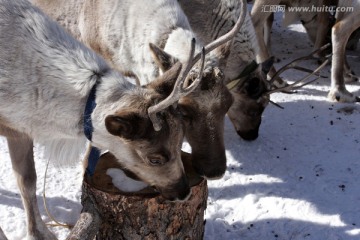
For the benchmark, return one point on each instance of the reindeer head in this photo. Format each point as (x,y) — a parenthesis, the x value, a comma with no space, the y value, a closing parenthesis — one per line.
(203,112)
(251,92)
(144,130)
(204,109)
(154,156)
(250,99)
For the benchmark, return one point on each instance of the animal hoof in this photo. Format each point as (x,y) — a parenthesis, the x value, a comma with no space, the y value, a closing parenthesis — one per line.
(342,96)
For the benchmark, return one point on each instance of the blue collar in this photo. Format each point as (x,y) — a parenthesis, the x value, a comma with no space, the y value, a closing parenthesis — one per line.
(88,130)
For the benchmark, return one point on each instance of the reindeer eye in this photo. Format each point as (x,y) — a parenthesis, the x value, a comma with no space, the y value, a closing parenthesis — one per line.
(157,159)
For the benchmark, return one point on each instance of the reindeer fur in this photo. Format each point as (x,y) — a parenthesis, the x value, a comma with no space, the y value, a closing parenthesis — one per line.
(346,24)
(212,19)
(317,25)
(121,30)
(45,79)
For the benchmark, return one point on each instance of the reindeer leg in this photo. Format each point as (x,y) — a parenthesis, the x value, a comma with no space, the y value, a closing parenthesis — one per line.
(267,35)
(259,15)
(321,34)
(340,35)
(349,75)
(22,158)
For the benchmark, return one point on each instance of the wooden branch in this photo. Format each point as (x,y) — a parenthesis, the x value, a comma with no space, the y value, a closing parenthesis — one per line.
(88,224)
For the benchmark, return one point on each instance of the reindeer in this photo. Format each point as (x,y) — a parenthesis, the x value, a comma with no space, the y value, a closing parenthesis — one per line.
(317,25)
(210,19)
(346,24)
(118,31)
(244,77)
(57,92)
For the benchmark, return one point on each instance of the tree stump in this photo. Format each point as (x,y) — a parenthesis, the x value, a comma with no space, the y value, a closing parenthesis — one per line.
(144,214)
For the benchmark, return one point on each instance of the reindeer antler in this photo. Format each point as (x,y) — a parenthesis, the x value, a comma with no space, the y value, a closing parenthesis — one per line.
(228,36)
(179,89)
(293,65)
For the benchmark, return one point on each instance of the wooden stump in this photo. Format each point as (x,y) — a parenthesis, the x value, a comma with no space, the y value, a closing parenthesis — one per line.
(144,214)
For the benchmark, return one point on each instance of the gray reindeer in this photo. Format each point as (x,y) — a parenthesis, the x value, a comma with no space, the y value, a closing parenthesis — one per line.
(318,23)
(244,77)
(211,19)
(55,91)
(346,24)
(121,30)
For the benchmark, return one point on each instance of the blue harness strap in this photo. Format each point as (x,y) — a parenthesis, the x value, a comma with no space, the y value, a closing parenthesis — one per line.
(88,130)
(92,161)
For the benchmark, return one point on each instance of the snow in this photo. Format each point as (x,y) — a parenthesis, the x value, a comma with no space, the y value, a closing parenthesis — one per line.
(124,183)
(298,180)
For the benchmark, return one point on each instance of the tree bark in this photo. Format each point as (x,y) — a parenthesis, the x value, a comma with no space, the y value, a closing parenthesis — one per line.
(144,214)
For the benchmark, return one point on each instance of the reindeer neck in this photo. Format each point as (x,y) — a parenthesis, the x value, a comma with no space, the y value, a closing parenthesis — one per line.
(211,19)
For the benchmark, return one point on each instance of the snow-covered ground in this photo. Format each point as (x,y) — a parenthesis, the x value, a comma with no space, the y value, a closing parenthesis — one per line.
(298,180)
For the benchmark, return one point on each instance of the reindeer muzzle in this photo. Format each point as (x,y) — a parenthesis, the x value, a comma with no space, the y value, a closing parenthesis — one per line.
(249,135)
(179,191)
(209,167)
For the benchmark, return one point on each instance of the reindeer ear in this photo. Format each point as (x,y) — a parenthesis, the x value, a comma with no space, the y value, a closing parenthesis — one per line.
(164,84)
(267,65)
(126,125)
(162,59)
